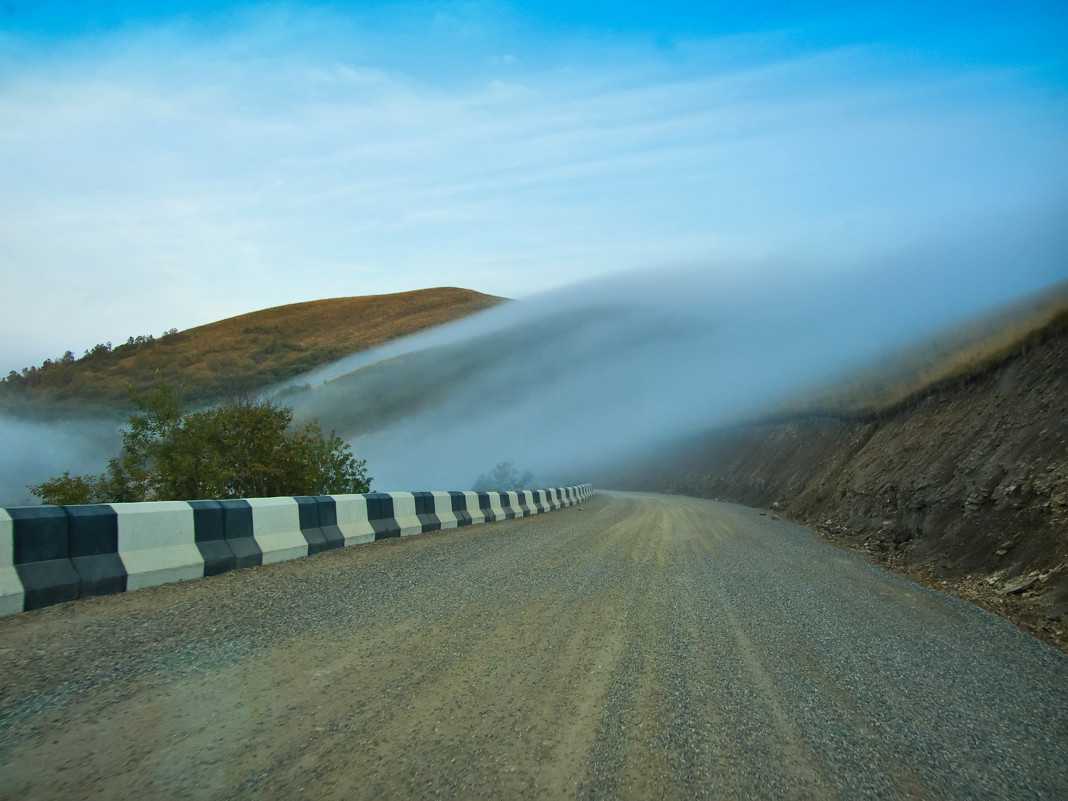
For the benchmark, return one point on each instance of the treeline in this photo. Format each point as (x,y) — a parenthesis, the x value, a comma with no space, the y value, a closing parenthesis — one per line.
(50,373)
(197,372)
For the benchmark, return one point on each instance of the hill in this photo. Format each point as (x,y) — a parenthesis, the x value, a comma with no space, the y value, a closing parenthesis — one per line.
(238,355)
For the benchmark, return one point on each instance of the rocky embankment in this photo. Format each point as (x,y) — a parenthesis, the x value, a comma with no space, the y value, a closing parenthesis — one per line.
(965,487)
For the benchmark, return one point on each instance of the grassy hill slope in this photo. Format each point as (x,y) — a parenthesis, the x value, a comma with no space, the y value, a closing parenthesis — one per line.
(239,354)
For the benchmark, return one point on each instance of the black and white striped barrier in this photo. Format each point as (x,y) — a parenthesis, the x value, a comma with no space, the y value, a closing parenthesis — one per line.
(53,554)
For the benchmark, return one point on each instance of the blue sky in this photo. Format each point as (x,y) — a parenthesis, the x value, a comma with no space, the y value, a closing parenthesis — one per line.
(169,164)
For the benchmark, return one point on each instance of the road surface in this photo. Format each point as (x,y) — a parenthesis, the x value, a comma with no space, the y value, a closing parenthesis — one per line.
(638,647)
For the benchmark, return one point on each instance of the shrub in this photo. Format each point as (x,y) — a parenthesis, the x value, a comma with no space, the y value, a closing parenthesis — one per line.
(242,449)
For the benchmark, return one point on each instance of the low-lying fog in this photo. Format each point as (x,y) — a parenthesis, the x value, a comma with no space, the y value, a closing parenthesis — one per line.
(569,384)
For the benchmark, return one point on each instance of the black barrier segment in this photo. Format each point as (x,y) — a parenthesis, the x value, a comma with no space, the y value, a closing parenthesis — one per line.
(328,522)
(308,512)
(42,556)
(380,515)
(426,511)
(209,531)
(537,502)
(459,508)
(524,506)
(485,505)
(93,534)
(506,505)
(237,526)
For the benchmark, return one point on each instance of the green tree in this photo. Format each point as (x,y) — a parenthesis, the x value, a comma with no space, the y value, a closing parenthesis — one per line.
(243,449)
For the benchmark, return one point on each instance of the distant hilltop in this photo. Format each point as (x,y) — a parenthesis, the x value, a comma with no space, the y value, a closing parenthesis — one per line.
(237,355)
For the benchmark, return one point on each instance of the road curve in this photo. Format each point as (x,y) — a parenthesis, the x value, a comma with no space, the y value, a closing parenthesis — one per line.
(638,647)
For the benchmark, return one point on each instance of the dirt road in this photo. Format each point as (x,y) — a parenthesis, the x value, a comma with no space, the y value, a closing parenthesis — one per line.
(639,647)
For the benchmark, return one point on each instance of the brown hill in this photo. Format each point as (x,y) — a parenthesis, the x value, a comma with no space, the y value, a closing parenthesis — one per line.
(239,354)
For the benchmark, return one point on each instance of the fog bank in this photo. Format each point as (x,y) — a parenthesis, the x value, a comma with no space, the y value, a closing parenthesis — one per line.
(572,383)
(35,451)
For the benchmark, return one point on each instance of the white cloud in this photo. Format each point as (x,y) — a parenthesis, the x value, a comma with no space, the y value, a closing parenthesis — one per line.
(166,182)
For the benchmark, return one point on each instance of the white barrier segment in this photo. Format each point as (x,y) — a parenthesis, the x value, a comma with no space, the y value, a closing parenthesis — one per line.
(11,592)
(352,519)
(473,508)
(495,505)
(443,509)
(404,513)
(276,528)
(157,543)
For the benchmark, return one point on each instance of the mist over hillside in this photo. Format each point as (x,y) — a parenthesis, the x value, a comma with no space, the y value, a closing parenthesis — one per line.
(34,451)
(572,383)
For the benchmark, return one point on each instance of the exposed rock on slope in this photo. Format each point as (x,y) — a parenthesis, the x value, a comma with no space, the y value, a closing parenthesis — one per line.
(965,487)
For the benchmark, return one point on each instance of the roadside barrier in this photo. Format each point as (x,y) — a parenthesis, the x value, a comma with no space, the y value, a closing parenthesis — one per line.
(53,554)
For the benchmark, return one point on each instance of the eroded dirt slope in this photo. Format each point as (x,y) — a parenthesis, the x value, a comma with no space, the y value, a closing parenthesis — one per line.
(965,487)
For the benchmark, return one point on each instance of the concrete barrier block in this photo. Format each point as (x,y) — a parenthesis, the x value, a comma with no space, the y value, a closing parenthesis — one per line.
(504,500)
(352,519)
(276,527)
(524,503)
(328,522)
(237,527)
(380,515)
(308,517)
(460,508)
(41,555)
(405,514)
(11,592)
(443,509)
(547,500)
(427,512)
(157,543)
(94,549)
(209,532)
(485,508)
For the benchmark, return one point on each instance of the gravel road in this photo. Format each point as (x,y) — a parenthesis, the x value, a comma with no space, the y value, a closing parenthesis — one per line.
(640,646)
